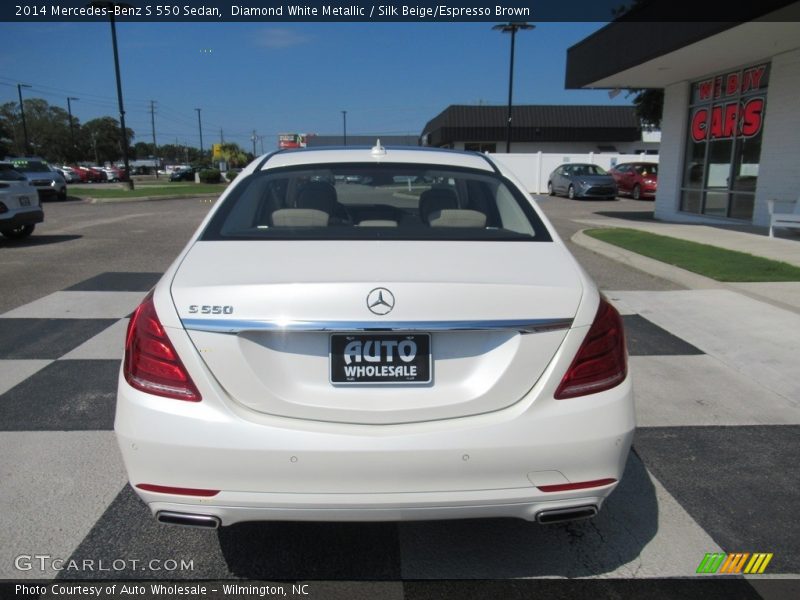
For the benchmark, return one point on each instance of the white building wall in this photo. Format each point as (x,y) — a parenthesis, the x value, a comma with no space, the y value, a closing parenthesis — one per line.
(674,123)
(779,170)
(569,147)
(533,170)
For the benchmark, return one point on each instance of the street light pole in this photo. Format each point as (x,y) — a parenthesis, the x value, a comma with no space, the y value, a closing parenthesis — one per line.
(200,125)
(22,114)
(124,131)
(71,123)
(344,124)
(511,28)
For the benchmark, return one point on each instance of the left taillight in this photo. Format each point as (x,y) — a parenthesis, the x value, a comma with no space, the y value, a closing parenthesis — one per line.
(151,363)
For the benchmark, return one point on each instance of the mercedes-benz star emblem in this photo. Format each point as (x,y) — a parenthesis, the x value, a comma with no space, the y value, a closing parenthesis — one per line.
(380,301)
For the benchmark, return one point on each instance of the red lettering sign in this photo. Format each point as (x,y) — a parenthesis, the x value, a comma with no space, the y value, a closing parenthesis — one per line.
(753,117)
(699,124)
(726,121)
(732,84)
(705,88)
(752,78)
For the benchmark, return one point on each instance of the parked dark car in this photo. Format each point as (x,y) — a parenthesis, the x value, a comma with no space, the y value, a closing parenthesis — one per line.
(182,175)
(639,180)
(581,180)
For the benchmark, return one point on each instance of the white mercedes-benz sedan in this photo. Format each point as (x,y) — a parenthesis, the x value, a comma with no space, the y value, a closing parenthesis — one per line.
(373,334)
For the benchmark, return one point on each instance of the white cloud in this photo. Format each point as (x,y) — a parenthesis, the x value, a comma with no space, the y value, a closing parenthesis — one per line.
(276,37)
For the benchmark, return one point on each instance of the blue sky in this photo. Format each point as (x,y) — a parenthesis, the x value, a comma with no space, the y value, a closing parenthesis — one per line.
(286,77)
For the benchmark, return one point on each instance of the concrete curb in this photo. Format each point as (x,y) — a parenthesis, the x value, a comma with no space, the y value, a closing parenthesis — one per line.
(650,266)
(690,280)
(90,200)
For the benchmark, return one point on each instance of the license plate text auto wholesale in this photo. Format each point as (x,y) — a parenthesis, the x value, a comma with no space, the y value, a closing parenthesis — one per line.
(380,358)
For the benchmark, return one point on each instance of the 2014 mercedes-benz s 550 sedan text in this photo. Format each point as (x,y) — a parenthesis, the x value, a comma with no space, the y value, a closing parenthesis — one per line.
(418,344)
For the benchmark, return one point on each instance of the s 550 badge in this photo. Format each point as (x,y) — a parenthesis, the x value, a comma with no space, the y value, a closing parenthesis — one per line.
(210,309)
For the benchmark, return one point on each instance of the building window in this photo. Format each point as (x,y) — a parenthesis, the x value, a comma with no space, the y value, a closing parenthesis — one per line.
(726,121)
(480,147)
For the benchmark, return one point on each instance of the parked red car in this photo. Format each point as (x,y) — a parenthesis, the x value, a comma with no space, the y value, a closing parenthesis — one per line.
(639,180)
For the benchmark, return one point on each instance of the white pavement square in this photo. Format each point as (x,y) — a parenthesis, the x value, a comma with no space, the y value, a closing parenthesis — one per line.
(752,338)
(79,305)
(674,391)
(55,486)
(13,372)
(108,344)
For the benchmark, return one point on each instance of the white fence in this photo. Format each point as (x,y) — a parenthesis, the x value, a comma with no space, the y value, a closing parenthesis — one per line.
(533,170)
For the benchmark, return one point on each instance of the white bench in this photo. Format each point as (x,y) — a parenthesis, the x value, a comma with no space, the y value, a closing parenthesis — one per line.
(790,218)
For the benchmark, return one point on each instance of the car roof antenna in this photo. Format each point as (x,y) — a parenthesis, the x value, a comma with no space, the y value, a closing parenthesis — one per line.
(378,150)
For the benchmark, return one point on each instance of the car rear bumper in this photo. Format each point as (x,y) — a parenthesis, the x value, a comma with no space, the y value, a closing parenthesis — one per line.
(271,468)
(597,192)
(28,217)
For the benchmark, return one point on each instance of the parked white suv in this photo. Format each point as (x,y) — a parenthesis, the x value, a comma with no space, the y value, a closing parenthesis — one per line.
(20,209)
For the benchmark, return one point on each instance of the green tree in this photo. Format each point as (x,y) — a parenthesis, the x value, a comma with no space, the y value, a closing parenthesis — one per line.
(649,105)
(234,155)
(101,142)
(48,130)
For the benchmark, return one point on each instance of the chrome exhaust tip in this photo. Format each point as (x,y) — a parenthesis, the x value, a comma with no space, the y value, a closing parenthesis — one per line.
(562,515)
(188,520)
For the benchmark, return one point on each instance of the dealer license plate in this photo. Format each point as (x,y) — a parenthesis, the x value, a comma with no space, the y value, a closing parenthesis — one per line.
(358,358)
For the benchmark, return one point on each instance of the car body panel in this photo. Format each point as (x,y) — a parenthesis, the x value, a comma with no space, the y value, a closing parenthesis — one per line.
(274,439)
(47,181)
(643,174)
(584,184)
(19,200)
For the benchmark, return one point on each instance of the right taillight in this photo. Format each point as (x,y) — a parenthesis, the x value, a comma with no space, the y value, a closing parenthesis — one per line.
(151,363)
(602,360)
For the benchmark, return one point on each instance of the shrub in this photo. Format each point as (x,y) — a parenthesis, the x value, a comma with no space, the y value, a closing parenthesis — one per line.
(210,176)
(231,175)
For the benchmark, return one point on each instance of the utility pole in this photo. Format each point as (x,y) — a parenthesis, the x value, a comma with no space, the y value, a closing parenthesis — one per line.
(221,137)
(71,124)
(254,137)
(22,113)
(153,125)
(200,126)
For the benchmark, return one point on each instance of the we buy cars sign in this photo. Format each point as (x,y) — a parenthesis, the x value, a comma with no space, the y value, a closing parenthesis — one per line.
(733,110)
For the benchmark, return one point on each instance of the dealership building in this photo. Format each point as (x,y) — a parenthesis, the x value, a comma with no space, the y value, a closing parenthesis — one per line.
(541,128)
(730,130)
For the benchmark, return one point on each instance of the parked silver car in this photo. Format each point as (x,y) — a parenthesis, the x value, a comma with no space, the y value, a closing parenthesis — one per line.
(48,182)
(582,180)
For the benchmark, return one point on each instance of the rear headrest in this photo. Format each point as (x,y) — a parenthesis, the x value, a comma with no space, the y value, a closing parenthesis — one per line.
(436,199)
(318,195)
(457,218)
(300,217)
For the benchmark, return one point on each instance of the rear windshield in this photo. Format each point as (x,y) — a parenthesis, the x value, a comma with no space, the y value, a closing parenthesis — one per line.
(371,201)
(7,173)
(647,169)
(580,170)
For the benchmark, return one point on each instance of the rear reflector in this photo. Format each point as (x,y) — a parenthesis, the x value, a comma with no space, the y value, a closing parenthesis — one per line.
(165,489)
(565,487)
(151,363)
(602,360)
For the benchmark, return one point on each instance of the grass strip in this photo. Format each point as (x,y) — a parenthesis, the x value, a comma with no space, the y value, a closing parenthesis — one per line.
(150,190)
(717,263)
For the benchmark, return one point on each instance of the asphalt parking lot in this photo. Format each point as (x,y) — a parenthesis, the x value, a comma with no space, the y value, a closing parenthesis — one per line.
(714,466)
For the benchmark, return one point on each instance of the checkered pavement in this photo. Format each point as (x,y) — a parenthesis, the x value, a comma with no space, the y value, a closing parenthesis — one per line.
(714,466)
